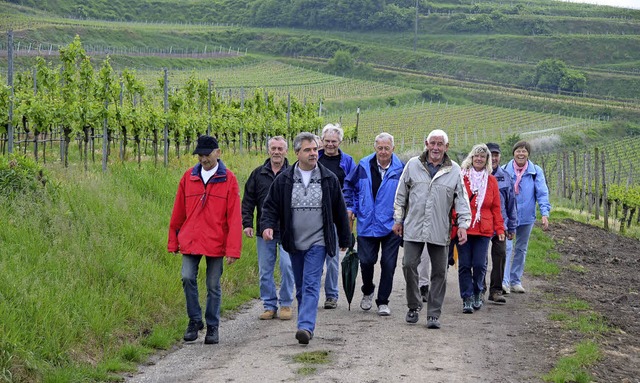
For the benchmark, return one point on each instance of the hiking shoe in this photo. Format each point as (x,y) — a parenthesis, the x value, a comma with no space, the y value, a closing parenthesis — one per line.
(412,316)
(517,289)
(366,302)
(330,303)
(285,313)
(497,297)
(424,291)
(193,327)
(433,322)
(303,336)
(506,289)
(268,314)
(384,310)
(467,307)
(212,335)
(477,301)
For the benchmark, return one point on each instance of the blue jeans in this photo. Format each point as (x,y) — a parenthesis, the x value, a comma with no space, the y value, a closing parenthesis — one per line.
(331,278)
(266,264)
(513,270)
(472,265)
(368,248)
(307,271)
(190,285)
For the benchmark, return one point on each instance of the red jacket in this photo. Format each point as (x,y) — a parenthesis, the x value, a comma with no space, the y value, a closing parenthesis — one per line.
(206,219)
(491,221)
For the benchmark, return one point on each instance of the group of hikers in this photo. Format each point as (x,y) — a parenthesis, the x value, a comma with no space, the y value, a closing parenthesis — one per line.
(307,210)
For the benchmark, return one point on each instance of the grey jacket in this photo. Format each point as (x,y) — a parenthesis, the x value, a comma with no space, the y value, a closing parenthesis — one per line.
(423,205)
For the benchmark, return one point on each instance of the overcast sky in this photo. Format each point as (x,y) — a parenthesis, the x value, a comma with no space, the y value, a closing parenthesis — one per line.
(616,3)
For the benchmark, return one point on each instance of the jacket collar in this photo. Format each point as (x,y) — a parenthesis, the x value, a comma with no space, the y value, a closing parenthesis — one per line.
(446,162)
(220,176)
(266,167)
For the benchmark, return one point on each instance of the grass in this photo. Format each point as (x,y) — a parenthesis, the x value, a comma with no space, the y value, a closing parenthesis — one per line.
(572,368)
(88,288)
(310,360)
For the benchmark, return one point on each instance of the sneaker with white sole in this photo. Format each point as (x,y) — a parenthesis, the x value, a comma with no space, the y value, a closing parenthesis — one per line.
(506,289)
(367,302)
(517,289)
(384,310)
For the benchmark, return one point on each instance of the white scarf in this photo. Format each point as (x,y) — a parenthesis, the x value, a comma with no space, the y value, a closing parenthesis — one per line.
(478,183)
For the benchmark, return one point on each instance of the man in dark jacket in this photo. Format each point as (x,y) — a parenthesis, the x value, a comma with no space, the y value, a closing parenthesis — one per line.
(255,191)
(510,217)
(306,202)
(205,222)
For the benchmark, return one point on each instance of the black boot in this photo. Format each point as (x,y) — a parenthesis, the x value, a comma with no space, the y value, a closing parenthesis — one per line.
(193,327)
(212,335)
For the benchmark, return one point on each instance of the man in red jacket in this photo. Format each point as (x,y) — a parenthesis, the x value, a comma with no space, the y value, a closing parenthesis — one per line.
(206,221)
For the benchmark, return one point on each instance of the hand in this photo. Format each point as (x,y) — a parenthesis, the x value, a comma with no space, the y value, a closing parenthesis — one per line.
(343,249)
(267,234)
(545,223)
(231,260)
(501,237)
(510,236)
(352,217)
(248,231)
(397,228)
(462,236)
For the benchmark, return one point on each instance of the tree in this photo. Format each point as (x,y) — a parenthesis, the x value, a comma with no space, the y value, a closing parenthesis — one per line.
(341,62)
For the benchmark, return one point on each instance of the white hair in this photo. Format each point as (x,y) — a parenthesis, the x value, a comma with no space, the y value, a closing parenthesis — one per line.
(384,136)
(438,133)
(333,128)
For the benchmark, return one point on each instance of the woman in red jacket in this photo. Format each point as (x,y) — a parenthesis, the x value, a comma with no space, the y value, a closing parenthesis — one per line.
(486,221)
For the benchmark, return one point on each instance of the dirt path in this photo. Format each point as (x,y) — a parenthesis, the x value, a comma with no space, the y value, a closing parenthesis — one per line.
(492,345)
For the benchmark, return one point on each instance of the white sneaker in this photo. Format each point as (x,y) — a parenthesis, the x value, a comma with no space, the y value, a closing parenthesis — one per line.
(517,289)
(506,289)
(384,311)
(366,302)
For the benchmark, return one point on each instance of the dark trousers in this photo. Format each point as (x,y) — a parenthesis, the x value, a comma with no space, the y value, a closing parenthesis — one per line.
(498,258)
(368,248)
(472,265)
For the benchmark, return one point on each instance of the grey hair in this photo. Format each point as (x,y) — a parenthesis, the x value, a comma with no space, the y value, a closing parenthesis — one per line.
(384,136)
(278,138)
(304,136)
(333,128)
(478,149)
(438,133)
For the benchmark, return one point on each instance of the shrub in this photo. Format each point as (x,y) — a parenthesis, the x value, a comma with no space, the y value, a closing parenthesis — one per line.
(20,174)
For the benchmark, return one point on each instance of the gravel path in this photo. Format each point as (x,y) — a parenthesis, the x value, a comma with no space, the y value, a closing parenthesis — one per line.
(491,345)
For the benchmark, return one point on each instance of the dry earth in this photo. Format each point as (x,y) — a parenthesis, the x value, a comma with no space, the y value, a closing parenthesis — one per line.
(515,342)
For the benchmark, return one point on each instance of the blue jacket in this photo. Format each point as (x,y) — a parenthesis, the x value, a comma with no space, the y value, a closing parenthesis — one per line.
(507,199)
(532,189)
(375,218)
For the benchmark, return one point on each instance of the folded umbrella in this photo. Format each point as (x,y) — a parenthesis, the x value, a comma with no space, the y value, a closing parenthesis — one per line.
(350,264)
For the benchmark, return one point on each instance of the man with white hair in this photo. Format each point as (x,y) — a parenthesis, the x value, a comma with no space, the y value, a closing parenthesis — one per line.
(429,187)
(369,193)
(341,164)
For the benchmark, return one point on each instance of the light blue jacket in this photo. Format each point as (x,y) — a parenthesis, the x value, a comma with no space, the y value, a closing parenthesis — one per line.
(533,188)
(375,218)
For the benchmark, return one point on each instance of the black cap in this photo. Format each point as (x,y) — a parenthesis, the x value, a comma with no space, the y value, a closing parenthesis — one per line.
(493,147)
(206,145)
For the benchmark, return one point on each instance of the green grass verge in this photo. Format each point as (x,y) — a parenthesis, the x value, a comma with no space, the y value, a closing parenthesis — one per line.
(572,368)
(88,288)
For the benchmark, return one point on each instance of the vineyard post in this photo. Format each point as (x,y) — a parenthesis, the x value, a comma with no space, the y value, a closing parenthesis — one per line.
(10,84)
(590,191)
(166,118)
(584,181)
(559,177)
(123,132)
(357,122)
(105,132)
(605,206)
(208,104)
(575,174)
(596,184)
(35,130)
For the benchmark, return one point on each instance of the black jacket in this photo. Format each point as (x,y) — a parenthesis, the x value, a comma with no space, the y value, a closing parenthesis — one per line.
(277,208)
(255,191)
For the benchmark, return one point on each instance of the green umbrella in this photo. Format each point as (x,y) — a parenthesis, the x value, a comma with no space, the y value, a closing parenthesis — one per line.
(350,264)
